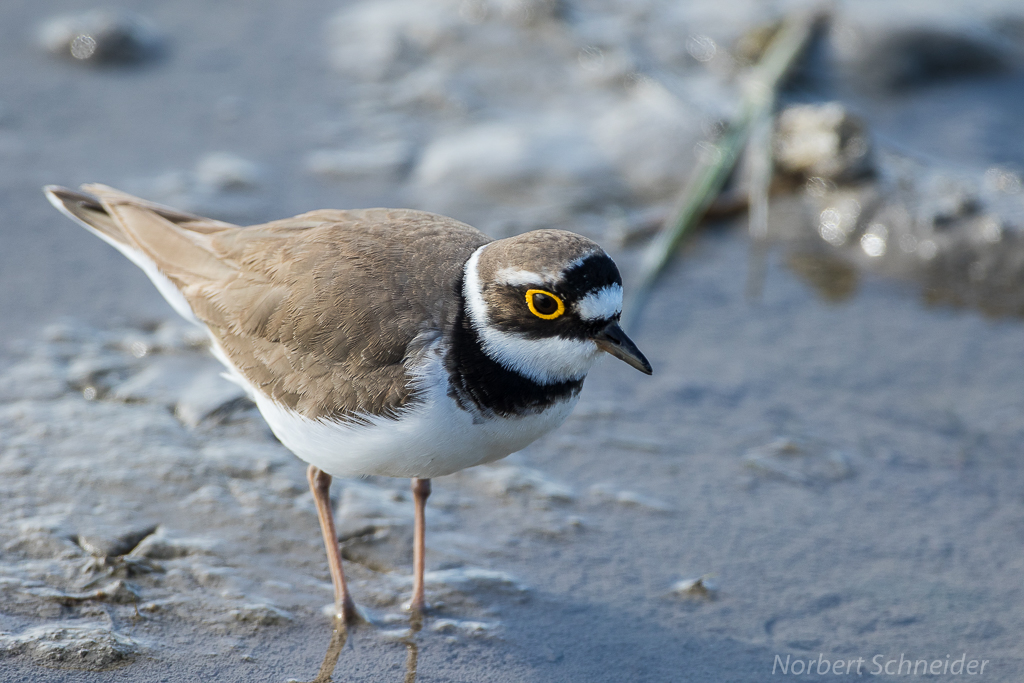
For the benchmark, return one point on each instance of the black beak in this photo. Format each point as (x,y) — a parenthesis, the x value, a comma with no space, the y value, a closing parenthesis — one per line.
(614,341)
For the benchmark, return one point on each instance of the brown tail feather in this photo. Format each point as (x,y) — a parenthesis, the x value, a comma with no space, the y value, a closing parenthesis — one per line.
(176,242)
(86,209)
(110,196)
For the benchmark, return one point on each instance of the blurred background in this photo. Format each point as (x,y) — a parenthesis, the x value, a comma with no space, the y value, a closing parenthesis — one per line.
(826,460)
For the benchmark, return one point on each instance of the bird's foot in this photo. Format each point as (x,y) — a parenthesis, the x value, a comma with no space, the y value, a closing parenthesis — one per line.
(347,612)
(420,606)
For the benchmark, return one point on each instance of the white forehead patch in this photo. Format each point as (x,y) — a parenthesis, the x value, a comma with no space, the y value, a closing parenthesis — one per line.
(604,304)
(545,361)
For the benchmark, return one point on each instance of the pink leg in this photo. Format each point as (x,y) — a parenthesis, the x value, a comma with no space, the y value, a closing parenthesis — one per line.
(420,492)
(320,485)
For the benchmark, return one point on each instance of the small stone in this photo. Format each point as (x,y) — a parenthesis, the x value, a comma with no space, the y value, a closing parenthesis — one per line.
(106,541)
(822,141)
(626,229)
(101,37)
(703,587)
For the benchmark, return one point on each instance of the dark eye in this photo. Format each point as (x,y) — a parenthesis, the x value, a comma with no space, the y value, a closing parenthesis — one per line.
(544,304)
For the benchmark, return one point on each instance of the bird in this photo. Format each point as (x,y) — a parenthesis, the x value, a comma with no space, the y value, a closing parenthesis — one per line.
(390,342)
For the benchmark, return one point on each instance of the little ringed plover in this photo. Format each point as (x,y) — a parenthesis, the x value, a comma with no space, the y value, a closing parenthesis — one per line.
(381,341)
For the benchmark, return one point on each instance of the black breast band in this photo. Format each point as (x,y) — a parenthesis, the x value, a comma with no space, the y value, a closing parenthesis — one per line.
(478,383)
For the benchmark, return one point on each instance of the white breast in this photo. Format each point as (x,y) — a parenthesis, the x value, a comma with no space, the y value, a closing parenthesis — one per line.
(433,438)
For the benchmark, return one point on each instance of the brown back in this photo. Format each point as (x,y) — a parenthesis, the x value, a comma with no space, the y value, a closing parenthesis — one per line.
(322,312)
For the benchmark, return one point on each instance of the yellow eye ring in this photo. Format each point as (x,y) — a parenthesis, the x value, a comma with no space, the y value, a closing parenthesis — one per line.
(531,293)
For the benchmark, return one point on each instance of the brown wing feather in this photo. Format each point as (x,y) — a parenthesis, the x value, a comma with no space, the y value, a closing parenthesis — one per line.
(322,312)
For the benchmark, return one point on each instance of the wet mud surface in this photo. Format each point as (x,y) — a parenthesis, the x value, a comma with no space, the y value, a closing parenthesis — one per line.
(829,470)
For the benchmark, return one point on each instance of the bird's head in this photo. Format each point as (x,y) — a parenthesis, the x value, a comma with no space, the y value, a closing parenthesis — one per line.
(545,303)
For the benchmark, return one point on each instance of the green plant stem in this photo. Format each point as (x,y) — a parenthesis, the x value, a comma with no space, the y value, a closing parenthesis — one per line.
(759,89)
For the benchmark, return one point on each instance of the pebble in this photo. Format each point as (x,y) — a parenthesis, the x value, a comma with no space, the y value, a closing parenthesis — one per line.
(823,141)
(107,541)
(101,37)
(703,587)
